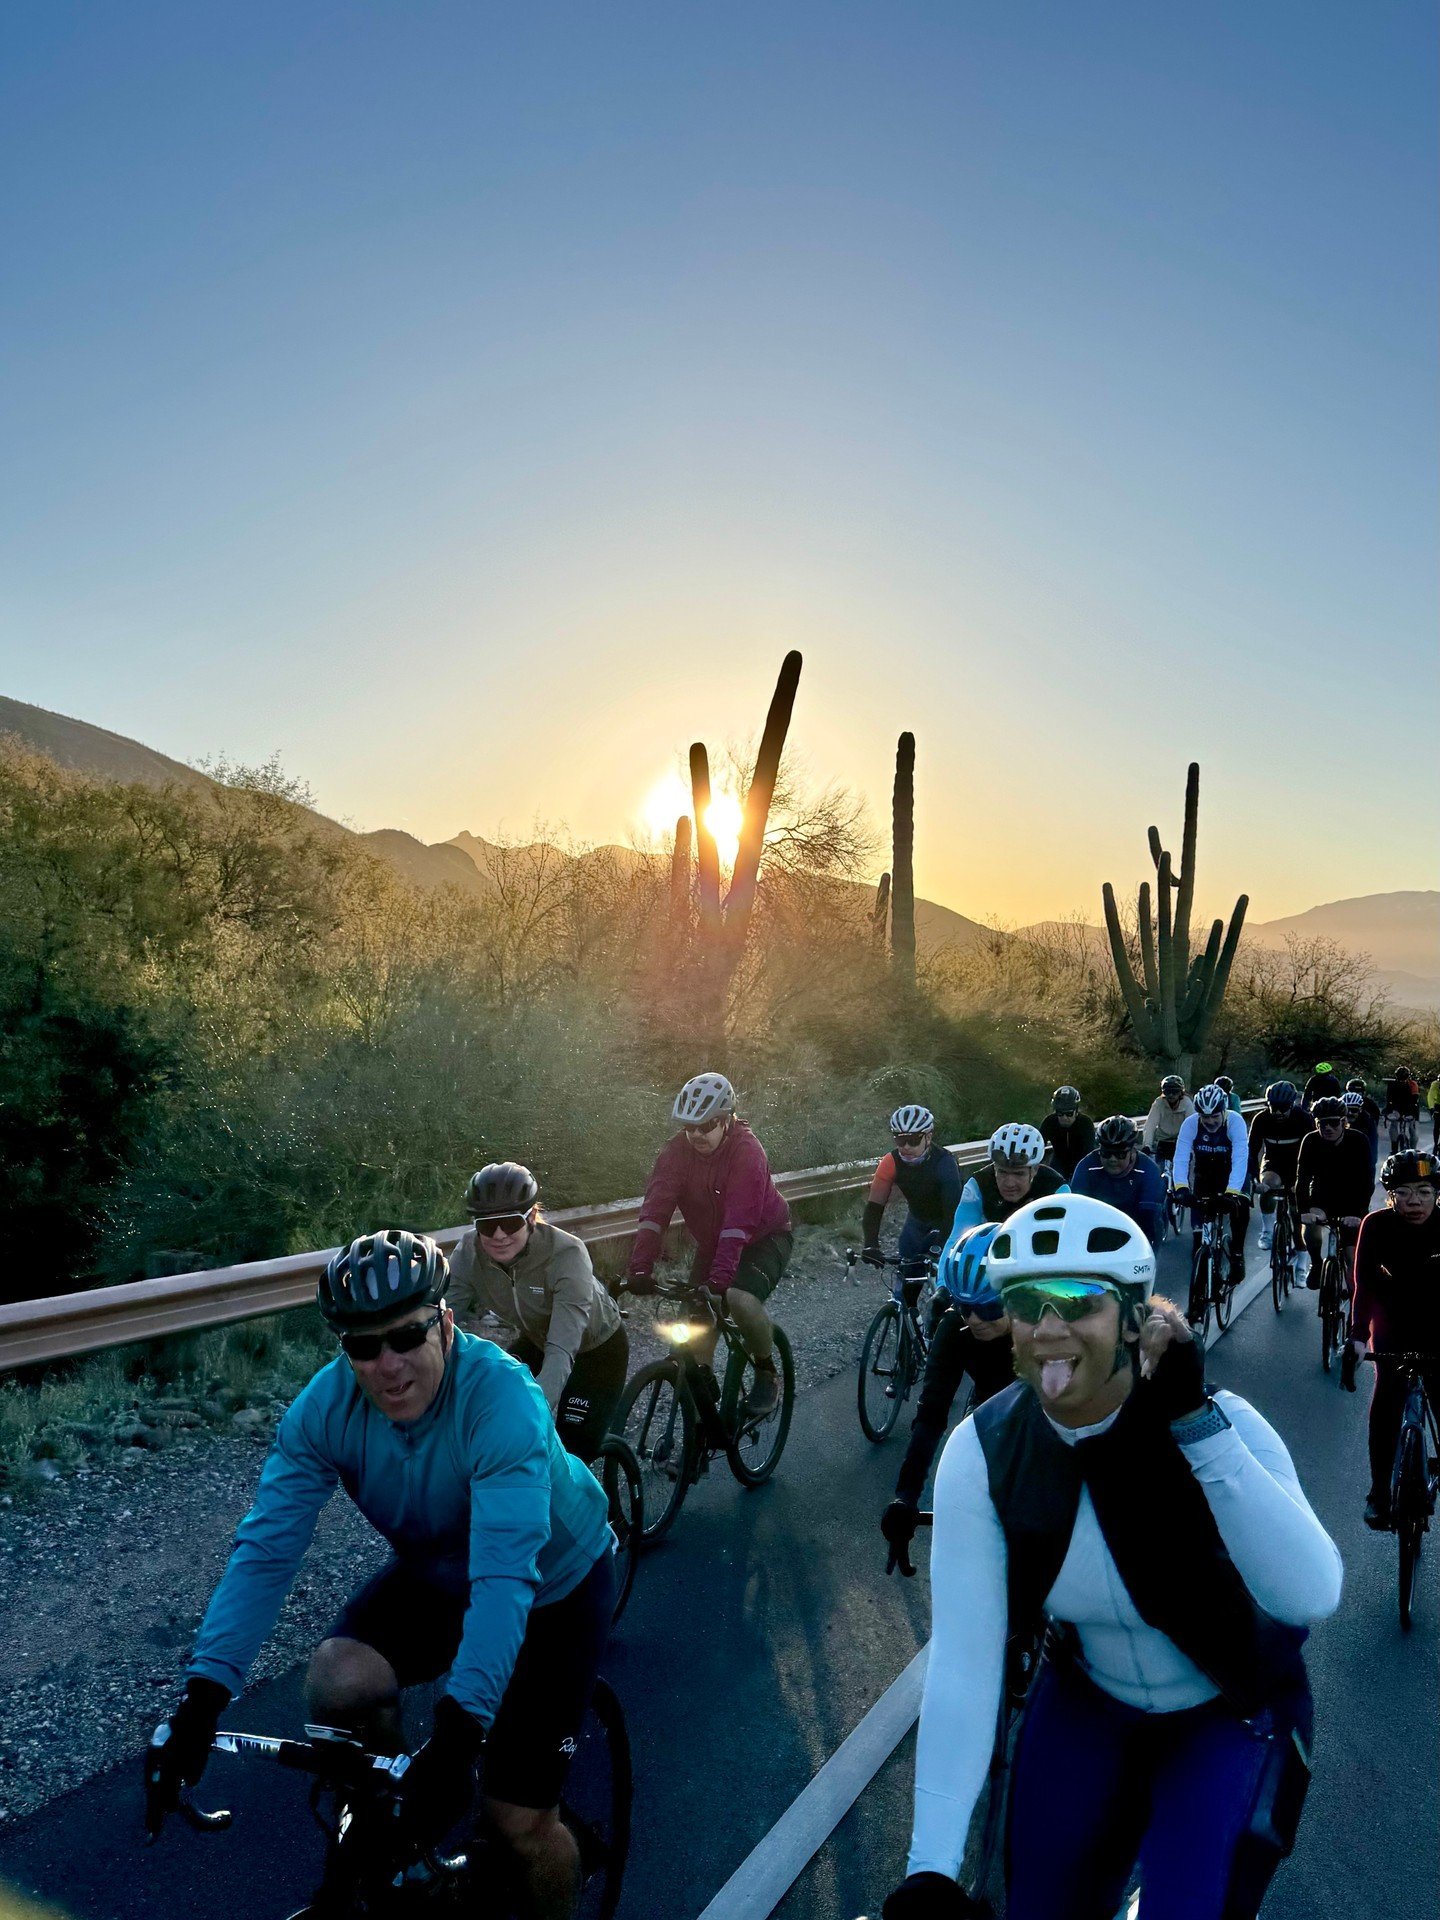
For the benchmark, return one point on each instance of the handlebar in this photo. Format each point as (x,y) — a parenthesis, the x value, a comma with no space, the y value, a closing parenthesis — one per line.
(331,1755)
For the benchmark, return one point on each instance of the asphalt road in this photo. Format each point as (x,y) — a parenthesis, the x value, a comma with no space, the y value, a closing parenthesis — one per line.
(762,1632)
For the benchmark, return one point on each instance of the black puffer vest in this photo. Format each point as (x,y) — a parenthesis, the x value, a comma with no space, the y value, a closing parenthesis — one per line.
(1158,1527)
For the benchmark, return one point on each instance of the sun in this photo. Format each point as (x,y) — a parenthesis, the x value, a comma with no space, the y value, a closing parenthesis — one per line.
(670,797)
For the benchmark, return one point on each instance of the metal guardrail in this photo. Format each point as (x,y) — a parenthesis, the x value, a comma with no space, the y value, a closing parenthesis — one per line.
(70,1324)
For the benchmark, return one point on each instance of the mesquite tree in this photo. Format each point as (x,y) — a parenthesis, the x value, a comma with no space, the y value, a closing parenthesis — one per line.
(1173,1003)
(902,865)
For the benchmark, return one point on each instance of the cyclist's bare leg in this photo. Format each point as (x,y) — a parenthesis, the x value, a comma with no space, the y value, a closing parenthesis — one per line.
(753,1324)
(548,1856)
(351,1685)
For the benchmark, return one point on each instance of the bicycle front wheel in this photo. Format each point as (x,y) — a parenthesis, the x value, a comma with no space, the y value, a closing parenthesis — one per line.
(1329,1312)
(599,1791)
(1279,1263)
(754,1452)
(1199,1314)
(1409,1504)
(1223,1288)
(882,1383)
(659,1423)
(619,1475)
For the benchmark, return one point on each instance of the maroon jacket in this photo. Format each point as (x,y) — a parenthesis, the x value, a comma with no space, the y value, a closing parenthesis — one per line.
(726,1198)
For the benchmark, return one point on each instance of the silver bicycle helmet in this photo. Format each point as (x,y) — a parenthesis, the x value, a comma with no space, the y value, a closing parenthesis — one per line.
(709,1096)
(912,1119)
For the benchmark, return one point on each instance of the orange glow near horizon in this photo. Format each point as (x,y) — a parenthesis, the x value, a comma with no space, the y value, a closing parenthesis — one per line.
(670,797)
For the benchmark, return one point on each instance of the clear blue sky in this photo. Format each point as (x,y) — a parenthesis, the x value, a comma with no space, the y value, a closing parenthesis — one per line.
(473,403)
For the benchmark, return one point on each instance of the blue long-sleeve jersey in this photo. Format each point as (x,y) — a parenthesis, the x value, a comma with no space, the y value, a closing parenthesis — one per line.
(1140,1192)
(477,1495)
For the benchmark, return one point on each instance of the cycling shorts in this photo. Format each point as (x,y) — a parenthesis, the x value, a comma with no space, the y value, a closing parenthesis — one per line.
(596,1383)
(760,1268)
(415,1624)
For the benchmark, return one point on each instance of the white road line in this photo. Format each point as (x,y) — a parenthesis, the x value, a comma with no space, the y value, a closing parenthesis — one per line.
(765,1876)
(762,1880)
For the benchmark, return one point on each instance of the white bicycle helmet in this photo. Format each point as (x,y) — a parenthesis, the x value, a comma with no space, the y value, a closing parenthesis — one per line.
(1017,1144)
(1071,1237)
(1353,1102)
(1210,1100)
(709,1096)
(912,1119)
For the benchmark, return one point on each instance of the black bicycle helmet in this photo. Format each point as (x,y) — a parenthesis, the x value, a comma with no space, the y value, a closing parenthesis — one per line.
(1118,1134)
(381,1274)
(1066,1100)
(1281,1095)
(502,1187)
(1329,1107)
(1172,1083)
(1356,1086)
(1414,1167)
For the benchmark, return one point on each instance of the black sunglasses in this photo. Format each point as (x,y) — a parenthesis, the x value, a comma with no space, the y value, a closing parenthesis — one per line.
(501,1223)
(369,1346)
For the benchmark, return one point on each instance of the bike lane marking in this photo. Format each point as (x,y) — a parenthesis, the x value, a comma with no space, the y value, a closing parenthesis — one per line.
(768,1872)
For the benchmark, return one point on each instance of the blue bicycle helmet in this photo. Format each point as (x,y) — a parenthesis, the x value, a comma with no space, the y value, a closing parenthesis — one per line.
(962,1271)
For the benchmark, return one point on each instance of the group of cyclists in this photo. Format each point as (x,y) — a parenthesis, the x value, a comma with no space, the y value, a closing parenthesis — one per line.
(1102,1501)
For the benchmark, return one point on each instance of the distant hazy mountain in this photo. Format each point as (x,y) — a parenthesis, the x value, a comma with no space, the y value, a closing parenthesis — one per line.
(1399,931)
(86,749)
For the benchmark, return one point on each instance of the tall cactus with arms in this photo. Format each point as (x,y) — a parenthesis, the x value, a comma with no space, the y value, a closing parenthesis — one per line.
(1173,1004)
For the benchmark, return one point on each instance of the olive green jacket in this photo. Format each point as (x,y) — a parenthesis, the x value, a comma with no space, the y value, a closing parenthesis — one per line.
(549,1294)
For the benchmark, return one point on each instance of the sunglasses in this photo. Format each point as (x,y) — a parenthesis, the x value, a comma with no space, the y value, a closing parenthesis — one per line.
(369,1346)
(1071,1299)
(1116,1153)
(702,1133)
(909,1139)
(501,1223)
(984,1309)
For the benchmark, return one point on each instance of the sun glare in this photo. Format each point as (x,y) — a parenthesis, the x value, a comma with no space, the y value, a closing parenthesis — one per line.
(670,797)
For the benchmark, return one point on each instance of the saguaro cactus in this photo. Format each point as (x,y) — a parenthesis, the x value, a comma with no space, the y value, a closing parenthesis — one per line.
(902,864)
(1173,1004)
(680,872)
(880,912)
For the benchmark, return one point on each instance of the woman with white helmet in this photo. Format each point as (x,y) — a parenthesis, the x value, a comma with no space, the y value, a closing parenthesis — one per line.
(715,1172)
(1161,1536)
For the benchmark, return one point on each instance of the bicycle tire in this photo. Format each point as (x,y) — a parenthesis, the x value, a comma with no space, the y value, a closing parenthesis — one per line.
(602,1830)
(1409,1504)
(1279,1260)
(625,1499)
(754,1451)
(1198,1313)
(1329,1312)
(1223,1288)
(647,1418)
(882,1368)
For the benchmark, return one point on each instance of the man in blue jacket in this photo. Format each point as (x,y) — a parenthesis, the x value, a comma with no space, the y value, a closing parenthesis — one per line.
(1124,1177)
(501,1576)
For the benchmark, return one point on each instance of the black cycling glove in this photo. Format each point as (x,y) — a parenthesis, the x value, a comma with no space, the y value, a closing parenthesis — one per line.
(932,1896)
(1177,1386)
(180,1746)
(898,1523)
(1349,1367)
(641,1283)
(872,1256)
(438,1786)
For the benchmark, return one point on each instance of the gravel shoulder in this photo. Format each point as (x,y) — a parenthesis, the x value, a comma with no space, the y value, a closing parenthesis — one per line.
(106,1571)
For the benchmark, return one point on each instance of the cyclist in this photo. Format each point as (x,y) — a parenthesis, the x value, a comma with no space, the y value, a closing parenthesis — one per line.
(1119,1174)
(1068,1133)
(1370,1104)
(501,1578)
(1323,1084)
(539,1282)
(973,1336)
(1167,1115)
(1014,1174)
(1334,1179)
(929,1179)
(715,1171)
(1402,1106)
(1395,1306)
(1210,1158)
(1275,1136)
(1357,1121)
(1227,1087)
(1162,1532)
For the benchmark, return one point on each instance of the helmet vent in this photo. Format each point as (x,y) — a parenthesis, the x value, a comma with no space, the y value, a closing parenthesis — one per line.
(1046,1241)
(1106,1240)
(1048,1213)
(1001,1249)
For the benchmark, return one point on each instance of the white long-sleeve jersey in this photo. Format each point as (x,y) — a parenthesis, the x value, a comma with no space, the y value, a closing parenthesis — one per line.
(1192,1147)
(1285,1557)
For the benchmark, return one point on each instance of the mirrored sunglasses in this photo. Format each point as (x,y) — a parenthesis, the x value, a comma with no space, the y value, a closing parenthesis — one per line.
(501,1223)
(369,1346)
(1071,1299)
